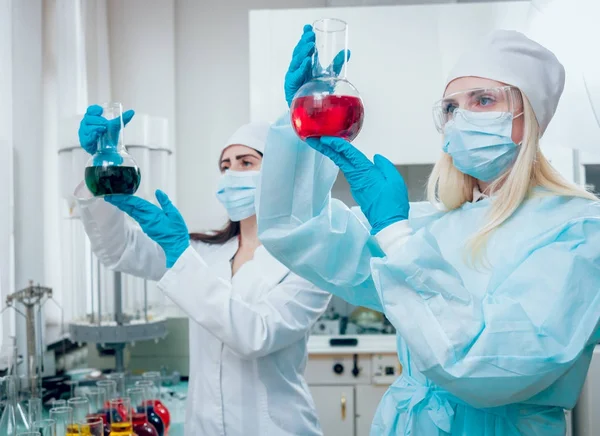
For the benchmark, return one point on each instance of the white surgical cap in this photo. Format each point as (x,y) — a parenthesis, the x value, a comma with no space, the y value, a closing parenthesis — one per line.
(512,58)
(253,135)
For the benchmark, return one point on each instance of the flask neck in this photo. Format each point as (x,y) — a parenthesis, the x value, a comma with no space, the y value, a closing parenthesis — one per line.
(111,141)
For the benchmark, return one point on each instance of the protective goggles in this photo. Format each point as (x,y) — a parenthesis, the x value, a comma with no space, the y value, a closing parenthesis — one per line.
(497,100)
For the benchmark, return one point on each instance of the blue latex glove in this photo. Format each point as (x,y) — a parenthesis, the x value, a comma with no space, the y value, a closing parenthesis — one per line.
(378,187)
(164,224)
(94,124)
(300,70)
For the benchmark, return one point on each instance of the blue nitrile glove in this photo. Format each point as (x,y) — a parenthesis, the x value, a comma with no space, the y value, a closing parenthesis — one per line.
(94,124)
(301,65)
(164,224)
(378,187)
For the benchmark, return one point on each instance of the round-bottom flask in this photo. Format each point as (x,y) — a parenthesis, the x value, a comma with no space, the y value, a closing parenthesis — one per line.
(327,106)
(111,170)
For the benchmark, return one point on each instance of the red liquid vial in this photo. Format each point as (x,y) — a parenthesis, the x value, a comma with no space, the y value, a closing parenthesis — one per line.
(141,426)
(161,410)
(327,115)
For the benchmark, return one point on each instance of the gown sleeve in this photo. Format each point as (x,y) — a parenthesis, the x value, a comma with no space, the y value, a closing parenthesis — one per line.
(537,317)
(315,236)
(119,243)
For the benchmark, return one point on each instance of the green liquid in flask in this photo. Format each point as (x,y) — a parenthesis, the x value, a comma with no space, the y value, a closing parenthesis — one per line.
(112,180)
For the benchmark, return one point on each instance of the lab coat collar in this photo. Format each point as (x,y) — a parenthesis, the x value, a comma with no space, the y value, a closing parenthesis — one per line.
(271,270)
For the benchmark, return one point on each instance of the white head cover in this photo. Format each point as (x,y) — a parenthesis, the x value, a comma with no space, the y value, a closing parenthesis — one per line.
(510,57)
(253,135)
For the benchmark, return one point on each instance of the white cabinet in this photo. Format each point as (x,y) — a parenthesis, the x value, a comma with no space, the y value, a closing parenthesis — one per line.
(335,406)
(367,400)
(347,388)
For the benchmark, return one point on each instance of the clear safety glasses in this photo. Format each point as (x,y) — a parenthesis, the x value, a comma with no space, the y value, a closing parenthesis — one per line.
(497,100)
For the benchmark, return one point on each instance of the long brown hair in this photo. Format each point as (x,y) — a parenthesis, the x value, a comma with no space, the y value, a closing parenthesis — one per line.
(231,230)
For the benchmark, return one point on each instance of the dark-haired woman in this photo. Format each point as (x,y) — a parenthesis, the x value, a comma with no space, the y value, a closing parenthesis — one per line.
(249,315)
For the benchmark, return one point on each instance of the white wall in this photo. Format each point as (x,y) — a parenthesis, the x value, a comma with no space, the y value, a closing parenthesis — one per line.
(212,88)
(400,57)
(142,57)
(6,176)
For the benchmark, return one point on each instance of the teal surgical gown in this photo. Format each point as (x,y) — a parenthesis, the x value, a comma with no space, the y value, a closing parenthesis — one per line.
(489,351)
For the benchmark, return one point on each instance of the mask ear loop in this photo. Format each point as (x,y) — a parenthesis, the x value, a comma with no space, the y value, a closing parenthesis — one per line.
(514,118)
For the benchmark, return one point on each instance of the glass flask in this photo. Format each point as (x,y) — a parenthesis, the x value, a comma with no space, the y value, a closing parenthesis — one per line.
(154,417)
(141,426)
(111,170)
(328,105)
(12,420)
(159,406)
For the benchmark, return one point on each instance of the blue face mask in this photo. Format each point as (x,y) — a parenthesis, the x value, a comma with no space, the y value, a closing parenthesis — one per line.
(480,143)
(236,192)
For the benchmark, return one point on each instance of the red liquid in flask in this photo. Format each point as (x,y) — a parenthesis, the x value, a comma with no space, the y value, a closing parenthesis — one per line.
(141,426)
(162,411)
(330,115)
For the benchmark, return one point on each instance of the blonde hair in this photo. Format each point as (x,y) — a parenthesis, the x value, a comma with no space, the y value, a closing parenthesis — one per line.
(449,186)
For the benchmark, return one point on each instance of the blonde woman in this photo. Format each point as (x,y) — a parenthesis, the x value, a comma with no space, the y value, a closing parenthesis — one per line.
(492,285)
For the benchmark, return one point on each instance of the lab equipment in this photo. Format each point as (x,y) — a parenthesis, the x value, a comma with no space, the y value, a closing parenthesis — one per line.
(34,410)
(46,427)
(328,104)
(119,379)
(141,426)
(450,317)
(121,423)
(29,433)
(510,57)
(81,409)
(236,192)
(481,152)
(377,187)
(32,298)
(94,426)
(164,224)
(111,170)
(154,418)
(12,420)
(98,405)
(63,418)
(116,309)
(155,396)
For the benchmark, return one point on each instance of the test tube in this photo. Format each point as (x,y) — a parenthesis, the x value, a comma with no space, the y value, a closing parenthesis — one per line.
(120,416)
(110,386)
(81,409)
(119,378)
(94,426)
(34,409)
(156,378)
(63,416)
(59,403)
(46,427)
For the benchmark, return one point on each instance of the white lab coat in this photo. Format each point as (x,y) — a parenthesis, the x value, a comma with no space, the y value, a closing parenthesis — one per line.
(248,333)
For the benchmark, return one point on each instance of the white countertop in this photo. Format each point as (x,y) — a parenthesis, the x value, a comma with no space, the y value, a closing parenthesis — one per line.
(367,344)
